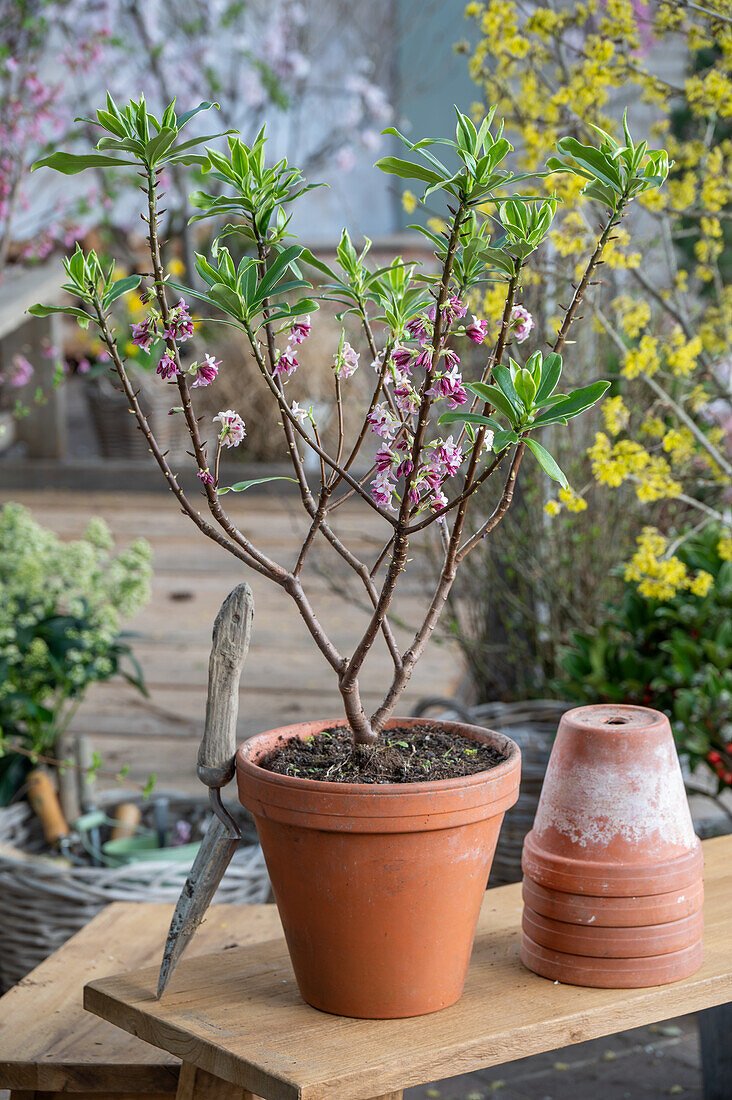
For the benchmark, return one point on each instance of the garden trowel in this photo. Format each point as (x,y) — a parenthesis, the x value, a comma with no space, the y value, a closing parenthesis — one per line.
(215,768)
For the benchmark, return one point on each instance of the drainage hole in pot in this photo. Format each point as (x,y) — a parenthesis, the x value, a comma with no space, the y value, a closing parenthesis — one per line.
(615,721)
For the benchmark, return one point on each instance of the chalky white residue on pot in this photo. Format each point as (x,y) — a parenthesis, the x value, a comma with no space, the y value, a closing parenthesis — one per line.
(594,803)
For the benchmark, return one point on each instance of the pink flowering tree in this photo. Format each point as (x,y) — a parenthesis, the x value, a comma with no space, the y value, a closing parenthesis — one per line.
(254,59)
(440,439)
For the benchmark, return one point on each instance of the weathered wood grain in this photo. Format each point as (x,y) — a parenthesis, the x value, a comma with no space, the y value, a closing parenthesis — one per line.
(239,1014)
(48,1042)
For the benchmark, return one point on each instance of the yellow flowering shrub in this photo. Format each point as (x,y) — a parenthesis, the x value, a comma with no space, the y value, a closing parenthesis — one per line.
(666,323)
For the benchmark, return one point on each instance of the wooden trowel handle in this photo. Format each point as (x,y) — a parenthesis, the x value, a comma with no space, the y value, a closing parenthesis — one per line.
(231,634)
(44,800)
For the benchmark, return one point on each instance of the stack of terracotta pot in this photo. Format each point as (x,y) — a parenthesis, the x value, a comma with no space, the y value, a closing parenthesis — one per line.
(612,869)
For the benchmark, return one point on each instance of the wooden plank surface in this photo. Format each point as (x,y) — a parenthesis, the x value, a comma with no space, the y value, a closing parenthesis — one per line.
(285,678)
(239,1014)
(48,1042)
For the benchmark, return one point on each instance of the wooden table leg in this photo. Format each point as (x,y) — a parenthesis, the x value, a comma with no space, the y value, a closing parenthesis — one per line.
(715,1029)
(197,1084)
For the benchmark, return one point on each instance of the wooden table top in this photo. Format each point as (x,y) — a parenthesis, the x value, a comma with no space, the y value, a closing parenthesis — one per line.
(48,1042)
(238,1014)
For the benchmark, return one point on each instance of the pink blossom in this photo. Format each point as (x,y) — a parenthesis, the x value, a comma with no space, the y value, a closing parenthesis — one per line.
(144,333)
(450,386)
(439,500)
(346,361)
(402,358)
(477,330)
(180,325)
(424,359)
(449,455)
(452,360)
(521,323)
(345,159)
(299,413)
(83,366)
(233,429)
(452,309)
(206,476)
(300,330)
(206,372)
(167,367)
(407,399)
(404,468)
(21,373)
(285,364)
(417,329)
(384,459)
(382,491)
(382,421)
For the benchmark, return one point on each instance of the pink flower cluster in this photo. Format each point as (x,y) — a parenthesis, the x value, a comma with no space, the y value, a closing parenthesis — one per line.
(233,430)
(286,362)
(180,325)
(205,372)
(521,323)
(346,361)
(20,374)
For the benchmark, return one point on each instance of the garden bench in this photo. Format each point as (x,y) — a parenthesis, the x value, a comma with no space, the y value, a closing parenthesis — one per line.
(237,1022)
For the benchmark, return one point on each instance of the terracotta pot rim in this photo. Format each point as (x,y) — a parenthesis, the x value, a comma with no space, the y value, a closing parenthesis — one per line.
(611,911)
(636,972)
(621,869)
(622,942)
(619,718)
(244,762)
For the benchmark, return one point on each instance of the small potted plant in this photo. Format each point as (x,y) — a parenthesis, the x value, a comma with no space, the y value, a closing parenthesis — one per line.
(60,615)
(378,831)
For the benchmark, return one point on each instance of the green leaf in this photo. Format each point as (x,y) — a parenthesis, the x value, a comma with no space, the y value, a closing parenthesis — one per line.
(242,486)
(188,115)
(122,286)
(311,260)
(70,164)
(551,372)
(159,145)
(46,311)
(495,397)
(469,418)
(503,439)
(547,463)
(406,170)
(574,404)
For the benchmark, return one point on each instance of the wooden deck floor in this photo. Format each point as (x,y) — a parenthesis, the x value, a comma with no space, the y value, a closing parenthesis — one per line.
(285,678)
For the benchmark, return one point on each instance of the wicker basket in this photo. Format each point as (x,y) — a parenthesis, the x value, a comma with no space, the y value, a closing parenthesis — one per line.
(117,430)
(532,725)
(42,904)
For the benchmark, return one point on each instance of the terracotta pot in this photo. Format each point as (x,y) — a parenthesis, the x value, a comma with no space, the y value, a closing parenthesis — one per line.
(378,886)
(613,912)
(632,973)
(613,818)
(613,943)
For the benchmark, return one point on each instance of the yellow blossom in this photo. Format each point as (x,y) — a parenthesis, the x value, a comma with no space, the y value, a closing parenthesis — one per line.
(653,426)
(436,224)
(409,201)
(698,399)
(176,267)
(130,349)
(724,548)
(552,507)
(682,354)
(679,444)
(633,314)
(616,414)
(657,577)
(574,502)
(701,583)
(643,359)
(656,482)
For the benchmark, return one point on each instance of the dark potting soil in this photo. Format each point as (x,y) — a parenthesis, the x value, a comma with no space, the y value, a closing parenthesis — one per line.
(404,754)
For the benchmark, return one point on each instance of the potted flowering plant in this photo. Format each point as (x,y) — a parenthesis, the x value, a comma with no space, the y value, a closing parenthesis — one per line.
(378,831)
